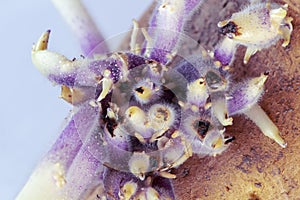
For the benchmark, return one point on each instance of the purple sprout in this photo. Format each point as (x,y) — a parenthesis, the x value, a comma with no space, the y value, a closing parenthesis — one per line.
(137,115)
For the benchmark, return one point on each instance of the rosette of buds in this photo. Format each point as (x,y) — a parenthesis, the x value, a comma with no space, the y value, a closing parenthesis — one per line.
(139,113)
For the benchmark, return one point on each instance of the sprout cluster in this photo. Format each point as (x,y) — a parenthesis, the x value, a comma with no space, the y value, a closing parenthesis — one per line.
(140,113)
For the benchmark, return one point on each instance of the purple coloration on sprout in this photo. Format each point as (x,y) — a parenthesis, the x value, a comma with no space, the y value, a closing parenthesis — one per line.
(188,70)
(135,60)
(223,56)
(244,95)
(138,114)
(68,79)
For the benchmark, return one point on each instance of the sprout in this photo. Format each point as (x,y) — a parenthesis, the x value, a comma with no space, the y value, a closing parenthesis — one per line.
(146,91)
(258,26)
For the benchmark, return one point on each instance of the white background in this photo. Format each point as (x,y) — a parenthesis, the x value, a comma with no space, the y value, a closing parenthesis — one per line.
(31,114)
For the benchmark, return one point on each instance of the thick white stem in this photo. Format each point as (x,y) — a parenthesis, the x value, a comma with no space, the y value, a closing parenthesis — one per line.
(82,25)
(261,119)
(46,182)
